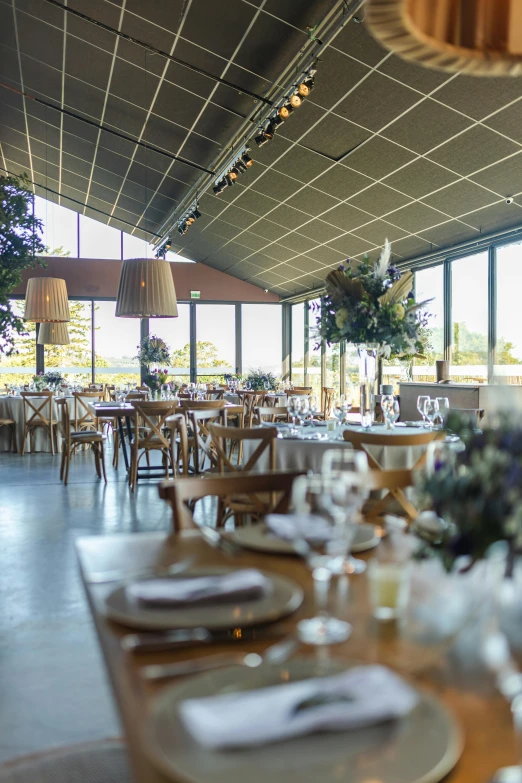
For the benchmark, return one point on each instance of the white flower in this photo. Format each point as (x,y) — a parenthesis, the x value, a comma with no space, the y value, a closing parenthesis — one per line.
(381,266)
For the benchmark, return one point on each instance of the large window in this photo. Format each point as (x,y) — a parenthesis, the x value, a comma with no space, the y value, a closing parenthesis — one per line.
(469,319)
(429,284)
(116,343)
(18,369)
(313,376)
(176,333)
(60,228)
(262,337)
(508,361)
(298,344)
(74,360)
(97,240)
(215,341)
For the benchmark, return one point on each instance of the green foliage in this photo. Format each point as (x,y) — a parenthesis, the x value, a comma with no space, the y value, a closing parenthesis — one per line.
(260,380)
(153,350)
(20,243)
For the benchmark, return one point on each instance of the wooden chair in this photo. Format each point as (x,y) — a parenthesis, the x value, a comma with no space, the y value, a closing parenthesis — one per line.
(71,439)
(327,398)
(203,451)
(300,392)
(250,401)
(215,394)
(362,441)
(39,413)
(83,418)
(272,414)
(306,389)
(239,505)
(150,434)
(136,395)
(11,424)
(395,482)
(202,405)
(185,491)
(179,444)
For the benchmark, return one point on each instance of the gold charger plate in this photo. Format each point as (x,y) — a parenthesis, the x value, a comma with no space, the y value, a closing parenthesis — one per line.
(259,538)
(420,748)
(286,596)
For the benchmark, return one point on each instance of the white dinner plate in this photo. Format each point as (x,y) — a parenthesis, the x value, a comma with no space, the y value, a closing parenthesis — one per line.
(260,538)
(284,598)
(420,748)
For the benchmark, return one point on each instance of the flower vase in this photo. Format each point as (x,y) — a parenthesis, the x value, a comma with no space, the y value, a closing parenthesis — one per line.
(367,375)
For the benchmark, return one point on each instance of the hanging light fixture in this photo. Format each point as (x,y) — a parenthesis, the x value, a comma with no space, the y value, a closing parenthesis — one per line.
(247,160)
(46,300)
(295,100)
(146,289)
(53,334)
(478,37)
(285,110)
(305,88)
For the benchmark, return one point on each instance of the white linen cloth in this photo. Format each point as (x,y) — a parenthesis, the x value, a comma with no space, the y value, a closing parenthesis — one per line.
(359,697)
(242,585)
(290,527)
(13,408)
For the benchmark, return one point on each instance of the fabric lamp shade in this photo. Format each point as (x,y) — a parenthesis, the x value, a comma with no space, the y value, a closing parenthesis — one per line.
(146,289)
(53,334)
(46,300)
(477,37)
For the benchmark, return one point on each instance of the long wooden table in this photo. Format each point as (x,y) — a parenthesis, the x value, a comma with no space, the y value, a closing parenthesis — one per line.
(483,714)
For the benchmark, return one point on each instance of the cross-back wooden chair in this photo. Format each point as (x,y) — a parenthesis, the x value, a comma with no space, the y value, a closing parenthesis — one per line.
(184,492)
(271,414)
(300,392)
(136,395)
(39,413)
(250,401)
(215,394)
(203,451)
(327,398)
(71,439)
(11,425)
(83,418)
(363,441)
(201,405)
(307,389)
(177,426)
(150,434)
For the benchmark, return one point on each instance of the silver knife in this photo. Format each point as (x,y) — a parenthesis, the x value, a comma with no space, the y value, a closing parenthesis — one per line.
(191,637)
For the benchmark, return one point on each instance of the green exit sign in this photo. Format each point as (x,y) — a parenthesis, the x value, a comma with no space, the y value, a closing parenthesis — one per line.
(195,294)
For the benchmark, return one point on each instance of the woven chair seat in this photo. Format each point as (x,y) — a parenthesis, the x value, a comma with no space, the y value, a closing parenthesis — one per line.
(5,422)
(87,435)
(97,762)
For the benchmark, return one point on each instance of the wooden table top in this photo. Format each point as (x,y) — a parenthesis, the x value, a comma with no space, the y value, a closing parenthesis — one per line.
(469,692)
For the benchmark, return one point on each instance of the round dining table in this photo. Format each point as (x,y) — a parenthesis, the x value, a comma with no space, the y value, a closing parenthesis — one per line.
(12,407)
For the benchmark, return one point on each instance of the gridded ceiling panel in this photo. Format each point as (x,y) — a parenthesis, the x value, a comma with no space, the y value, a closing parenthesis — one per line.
(381,148)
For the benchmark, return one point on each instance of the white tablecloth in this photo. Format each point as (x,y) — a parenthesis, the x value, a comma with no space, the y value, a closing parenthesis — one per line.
(13,408)
(294,454)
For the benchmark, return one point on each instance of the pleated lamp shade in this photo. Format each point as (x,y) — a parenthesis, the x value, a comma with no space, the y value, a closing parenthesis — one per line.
(146,289)
(478,37)
(53,334)
(46,300)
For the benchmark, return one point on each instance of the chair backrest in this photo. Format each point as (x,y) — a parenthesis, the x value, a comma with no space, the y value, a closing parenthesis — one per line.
(65,417)
(150,420)
(390,479)
(267,441)
(275,413)
(236,412)
(182,490)
(327,398)
(202,405)
(251,400)
(362,440)
(300,392)
(136,395)
(307,389)
(177,425)
(215,394)
(204,452)
(83,416)
(38,408)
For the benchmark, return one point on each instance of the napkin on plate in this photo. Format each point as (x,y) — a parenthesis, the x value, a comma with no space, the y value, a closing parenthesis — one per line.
(311,527)
(242,585)
(359,697)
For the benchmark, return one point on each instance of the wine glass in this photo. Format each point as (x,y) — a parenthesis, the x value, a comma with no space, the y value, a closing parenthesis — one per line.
(313,407)
(422,399)
(304,407)
(391,410)
(248,385)
(444,407)
(431,410)
(308,497)
(293,410)
(340,409)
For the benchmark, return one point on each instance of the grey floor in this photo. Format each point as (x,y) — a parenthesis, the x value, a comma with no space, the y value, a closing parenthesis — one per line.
(53,689)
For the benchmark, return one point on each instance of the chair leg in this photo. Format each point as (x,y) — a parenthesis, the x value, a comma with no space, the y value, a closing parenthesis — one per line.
(51,436)
(96,459)
(12,427)
(67,464)
(116,448)
(24,441)
(62,463)
(102,458)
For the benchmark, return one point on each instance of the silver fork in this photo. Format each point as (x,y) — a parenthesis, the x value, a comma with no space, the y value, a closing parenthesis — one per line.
(277,653)
(103,577)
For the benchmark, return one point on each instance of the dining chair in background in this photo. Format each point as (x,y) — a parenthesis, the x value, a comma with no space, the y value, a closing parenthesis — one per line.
(151,434)
(39,415)
(11,425)
(72,439)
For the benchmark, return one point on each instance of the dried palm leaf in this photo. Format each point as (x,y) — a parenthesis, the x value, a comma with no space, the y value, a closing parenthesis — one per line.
(339,283)
(399,290)
(418,306)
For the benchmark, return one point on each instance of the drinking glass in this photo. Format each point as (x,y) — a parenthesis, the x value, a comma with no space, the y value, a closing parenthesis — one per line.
(293,410)
(304,407)
(310,495)
(421,405)
(391,410)
(340,409)
(389,586)
(313,407)
(431,410)
(444,407)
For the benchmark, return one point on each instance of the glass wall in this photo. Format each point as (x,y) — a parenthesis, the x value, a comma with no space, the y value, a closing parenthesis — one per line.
(116,343)
(19,368)
(216,341)
(262,339)
(298,344)
(74,360)
(176,333)
(508,354)
(313,376)
(60,228)
(469,319)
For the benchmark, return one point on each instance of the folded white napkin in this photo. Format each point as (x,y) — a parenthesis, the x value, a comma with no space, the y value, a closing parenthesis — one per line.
(290,527)
(358,697)
(242,585)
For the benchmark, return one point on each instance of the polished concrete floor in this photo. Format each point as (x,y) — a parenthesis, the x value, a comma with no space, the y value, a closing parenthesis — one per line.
(53,689)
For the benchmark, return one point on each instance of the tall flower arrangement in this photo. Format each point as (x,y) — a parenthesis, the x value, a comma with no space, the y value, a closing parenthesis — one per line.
(372,302)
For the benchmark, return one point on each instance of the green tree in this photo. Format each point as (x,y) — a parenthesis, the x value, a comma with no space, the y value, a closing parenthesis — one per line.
(20,243)
(207,355)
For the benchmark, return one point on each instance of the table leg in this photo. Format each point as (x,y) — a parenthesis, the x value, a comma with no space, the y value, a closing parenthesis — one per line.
(123,442)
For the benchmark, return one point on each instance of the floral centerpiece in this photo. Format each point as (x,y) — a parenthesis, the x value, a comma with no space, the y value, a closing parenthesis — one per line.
(53,378)
(475,493)
(153,351)
(155,379)
(372,303)
(261,381)
(39,381)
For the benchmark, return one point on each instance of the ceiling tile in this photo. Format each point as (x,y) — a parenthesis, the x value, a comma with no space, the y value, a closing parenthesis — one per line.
(334,79)
(426,126)
(496,216)
(312,201)
(302,265)
(288,216)
(237,217)
(379,199)
(508,121)
(415,217)
(448,234)
(341,182)
(460,198)
(278,253)
(349,245)
(319,231)
(473,150)
(504,178)
(356,41)
(255,202)
(411,247)
(416,76)
(378,157)
(420,177)
(378,230)
(297,242)
(479,97)
(347,217)
(302,164)
(274,184)
(326,255)
(335,137)
(376,102)
(270,231)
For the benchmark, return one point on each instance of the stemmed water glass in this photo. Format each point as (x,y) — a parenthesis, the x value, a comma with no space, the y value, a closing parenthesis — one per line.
(293,410)
(341,409)
(431,410)
(422,399)
(313,407)
(444,407)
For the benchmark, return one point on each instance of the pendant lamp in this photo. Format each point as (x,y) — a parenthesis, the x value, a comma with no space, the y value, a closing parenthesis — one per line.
(477,37)
(46,300)
(53,334)
(146,289)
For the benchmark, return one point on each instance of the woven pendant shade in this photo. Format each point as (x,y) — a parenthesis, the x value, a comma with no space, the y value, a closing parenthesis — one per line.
(146,289)
(53,334)
(46,300)
(478,37)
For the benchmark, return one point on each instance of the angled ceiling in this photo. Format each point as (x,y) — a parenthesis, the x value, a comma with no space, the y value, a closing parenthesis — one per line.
(382,148)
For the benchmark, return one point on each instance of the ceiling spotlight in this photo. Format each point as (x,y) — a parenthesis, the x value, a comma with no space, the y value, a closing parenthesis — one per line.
(230,180)
(262,139)
(182,228)
(295,100)
(220,186)
(285,110)
(168,244)
(247,160)
(306,87)
(196,213)
(190,220)
(240,166)
(234,172)
(277,121)
(270,129)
